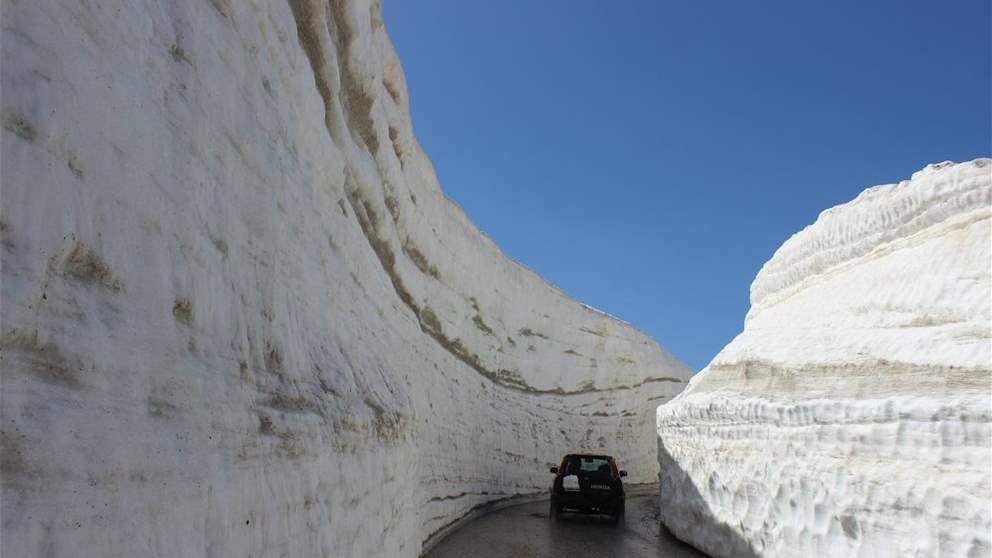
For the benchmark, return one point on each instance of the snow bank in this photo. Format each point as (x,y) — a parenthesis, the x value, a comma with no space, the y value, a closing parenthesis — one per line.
(240,318)
(852,415)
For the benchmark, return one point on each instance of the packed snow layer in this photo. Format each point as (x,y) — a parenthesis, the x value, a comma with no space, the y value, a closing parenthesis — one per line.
(239,316)
(851,417)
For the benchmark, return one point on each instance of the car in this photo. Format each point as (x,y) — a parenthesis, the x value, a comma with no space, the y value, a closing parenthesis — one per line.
(586,483)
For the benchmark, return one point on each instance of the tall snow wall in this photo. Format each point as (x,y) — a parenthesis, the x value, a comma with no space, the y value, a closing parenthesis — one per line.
(851,417)
(239,316)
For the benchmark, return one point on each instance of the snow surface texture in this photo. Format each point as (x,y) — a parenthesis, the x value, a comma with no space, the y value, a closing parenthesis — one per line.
(240,318)
(851,417)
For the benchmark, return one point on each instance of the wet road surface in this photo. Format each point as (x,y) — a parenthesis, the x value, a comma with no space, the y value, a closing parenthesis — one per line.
(526,531)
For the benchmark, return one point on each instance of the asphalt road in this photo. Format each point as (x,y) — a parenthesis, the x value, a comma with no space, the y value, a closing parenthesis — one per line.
(526,531)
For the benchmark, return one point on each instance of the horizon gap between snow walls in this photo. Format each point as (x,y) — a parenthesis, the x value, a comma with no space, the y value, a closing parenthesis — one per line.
(851,417)
(239,315)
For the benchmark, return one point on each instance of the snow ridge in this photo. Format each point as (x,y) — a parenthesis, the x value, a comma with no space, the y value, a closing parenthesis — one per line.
(852,416)
(240,317)
(880,215)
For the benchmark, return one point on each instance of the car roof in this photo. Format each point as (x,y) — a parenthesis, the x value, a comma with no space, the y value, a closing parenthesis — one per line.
(592,455)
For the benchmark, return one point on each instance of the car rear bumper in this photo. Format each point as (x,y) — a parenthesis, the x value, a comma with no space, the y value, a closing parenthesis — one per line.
(588,503)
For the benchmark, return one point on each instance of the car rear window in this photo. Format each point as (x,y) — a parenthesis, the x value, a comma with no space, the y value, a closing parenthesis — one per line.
(595,464)
(589,467)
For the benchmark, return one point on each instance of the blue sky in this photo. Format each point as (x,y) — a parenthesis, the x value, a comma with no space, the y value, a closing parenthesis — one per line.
(648,157)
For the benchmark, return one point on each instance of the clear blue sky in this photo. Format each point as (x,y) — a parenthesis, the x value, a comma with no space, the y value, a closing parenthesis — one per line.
(648,157)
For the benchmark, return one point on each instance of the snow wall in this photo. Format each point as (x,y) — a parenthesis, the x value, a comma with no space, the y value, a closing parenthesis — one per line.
(851,417)
(239,316)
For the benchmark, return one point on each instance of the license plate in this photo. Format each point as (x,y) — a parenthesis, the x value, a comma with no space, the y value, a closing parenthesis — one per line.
(600,486)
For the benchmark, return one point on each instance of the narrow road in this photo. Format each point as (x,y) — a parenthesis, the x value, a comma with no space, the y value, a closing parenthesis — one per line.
(526,531)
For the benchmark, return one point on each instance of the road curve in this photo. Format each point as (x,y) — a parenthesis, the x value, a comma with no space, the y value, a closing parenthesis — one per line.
(526,531)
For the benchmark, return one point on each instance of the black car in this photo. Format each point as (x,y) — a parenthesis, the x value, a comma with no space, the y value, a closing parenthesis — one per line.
(588,484)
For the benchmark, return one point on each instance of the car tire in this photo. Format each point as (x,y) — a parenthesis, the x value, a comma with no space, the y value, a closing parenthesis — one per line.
(619,516)
(555,512)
